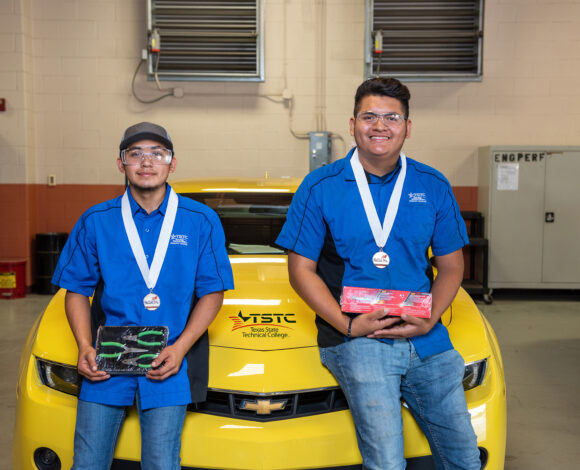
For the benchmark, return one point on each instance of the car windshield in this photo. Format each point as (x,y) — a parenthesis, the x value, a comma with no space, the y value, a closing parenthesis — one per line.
(251,221)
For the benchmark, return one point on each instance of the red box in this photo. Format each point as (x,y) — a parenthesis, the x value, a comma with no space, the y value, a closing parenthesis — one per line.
(363,300)
(12,279)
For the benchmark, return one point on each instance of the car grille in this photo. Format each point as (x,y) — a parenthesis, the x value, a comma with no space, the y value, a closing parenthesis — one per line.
(271,407)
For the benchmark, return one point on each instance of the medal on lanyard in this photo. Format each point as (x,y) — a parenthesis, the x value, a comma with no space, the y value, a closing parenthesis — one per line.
(381,234)
(150,275)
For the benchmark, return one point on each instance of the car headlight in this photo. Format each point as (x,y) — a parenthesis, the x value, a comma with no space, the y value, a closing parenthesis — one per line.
(474,374)
(61,377)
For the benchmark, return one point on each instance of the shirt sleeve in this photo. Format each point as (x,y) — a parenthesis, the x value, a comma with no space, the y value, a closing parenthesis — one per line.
(450,233)
(304,229)
(214,271)
(78,268)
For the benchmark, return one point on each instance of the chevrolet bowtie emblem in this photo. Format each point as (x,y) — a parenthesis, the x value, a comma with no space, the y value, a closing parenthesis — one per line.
(263,407)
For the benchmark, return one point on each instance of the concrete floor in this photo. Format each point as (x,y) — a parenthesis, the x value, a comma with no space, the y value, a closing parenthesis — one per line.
(539,334)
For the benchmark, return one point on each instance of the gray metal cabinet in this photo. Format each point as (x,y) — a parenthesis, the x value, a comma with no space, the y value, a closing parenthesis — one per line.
(530,198)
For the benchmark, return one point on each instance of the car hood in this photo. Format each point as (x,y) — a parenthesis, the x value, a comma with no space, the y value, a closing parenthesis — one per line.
(263,312)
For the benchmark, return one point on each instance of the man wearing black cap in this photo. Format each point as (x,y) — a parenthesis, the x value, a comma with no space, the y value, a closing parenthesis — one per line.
(150,258)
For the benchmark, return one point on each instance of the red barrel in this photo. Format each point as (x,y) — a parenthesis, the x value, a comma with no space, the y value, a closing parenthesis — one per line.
(12,278)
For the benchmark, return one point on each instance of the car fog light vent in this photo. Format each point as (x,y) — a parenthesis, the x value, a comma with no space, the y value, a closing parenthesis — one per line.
(61,377)
(483,456)
(46,459)
(474,374)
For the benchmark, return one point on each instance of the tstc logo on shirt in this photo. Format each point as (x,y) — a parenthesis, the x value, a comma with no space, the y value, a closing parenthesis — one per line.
(178,240)
(417,197)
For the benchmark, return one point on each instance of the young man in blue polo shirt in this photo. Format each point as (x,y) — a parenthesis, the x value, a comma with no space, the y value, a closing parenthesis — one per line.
(155,259)
(368,220)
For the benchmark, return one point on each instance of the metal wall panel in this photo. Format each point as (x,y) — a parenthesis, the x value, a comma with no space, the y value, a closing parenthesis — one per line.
(561,255)
(427,39)
(206,40)
(530,197)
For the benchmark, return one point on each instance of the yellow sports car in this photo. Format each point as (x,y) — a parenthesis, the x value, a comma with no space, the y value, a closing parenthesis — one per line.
(271,404)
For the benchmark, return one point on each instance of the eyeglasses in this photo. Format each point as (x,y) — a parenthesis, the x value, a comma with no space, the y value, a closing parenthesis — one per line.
(136,155)
(389,119)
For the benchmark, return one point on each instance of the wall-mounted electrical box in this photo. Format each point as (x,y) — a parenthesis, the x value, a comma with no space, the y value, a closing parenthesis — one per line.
(320,149)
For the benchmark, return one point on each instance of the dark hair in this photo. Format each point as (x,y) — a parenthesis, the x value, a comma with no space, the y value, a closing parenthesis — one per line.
(390,87)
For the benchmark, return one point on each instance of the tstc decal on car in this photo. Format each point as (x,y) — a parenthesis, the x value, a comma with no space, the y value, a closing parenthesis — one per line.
(263,325)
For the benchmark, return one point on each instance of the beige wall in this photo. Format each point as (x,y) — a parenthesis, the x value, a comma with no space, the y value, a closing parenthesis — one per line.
(66,69)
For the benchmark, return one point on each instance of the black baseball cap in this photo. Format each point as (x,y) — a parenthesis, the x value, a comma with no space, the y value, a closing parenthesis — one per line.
(145,131)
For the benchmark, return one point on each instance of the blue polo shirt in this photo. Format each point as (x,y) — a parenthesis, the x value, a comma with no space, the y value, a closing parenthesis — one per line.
(196,264)
(327,223)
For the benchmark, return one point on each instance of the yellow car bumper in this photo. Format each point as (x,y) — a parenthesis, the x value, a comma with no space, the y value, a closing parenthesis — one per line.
(46,419)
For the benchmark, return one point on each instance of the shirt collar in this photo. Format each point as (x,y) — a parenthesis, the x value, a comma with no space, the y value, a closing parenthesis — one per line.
(135,207)
(349,174)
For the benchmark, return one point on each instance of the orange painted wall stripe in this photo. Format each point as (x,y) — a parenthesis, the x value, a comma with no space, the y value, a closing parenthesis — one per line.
(28,209)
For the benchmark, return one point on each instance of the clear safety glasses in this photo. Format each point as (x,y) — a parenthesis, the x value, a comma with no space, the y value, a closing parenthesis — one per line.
(389,119)
(156,155)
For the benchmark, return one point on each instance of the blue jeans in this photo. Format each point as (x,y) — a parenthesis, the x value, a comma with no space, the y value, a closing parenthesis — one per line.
(98,427)
(375,376)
